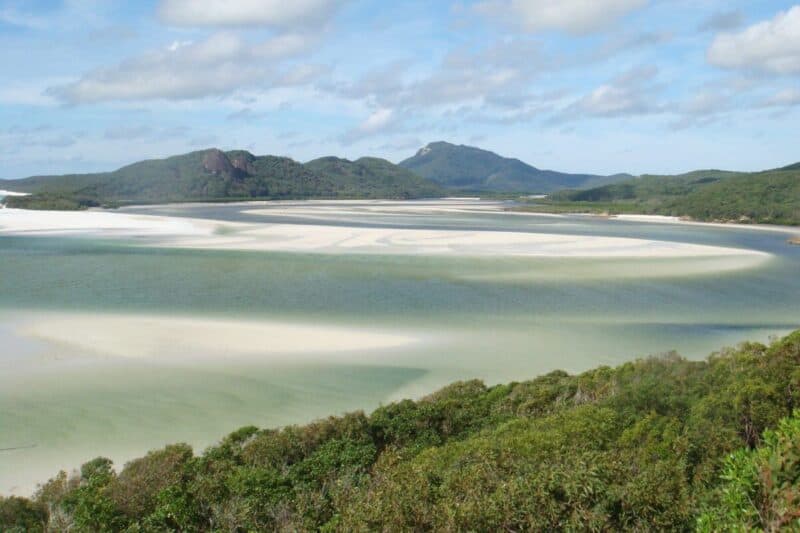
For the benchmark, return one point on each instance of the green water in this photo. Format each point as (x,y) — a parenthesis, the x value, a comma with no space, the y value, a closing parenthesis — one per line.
(498,319)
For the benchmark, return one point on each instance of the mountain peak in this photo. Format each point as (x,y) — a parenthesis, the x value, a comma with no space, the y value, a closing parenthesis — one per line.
(474,169)
(432,146)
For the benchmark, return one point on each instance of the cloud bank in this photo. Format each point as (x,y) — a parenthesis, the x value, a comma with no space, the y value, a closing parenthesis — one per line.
(573,16)
(771,46)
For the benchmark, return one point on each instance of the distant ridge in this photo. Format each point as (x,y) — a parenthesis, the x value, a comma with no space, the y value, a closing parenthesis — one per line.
(215,175)
(768,197)
(371,175)
(469,168)
(795,166)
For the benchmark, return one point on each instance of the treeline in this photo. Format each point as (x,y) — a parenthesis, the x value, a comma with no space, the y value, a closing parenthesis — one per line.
(771,197)
(657,444)
(51,202)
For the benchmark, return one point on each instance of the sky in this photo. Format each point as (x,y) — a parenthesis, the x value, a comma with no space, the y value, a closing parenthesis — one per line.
(600,86)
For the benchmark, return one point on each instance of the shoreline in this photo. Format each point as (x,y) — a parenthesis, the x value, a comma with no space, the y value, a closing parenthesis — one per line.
(474,201)
(665,219)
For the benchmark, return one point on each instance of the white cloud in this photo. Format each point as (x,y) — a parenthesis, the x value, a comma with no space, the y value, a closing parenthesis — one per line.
(608,100)
(377,122)
(573,16)
(499,74)
(217,65)
(770,46)
(631,93)
(275,13)
(784,98)
(24,20)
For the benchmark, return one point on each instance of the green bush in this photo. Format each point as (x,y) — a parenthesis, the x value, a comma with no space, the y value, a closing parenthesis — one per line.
(761,487)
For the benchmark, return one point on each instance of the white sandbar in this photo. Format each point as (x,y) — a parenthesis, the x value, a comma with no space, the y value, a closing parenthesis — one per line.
(174,339)
(176,232)
(338,239)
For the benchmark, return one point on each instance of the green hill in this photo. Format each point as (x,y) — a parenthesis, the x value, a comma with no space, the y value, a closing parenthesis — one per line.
(769,197)
(216,175)
(473,169)
(371,177)
(659,444)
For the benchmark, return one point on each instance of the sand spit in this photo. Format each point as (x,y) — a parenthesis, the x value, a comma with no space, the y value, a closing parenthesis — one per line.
(190,338)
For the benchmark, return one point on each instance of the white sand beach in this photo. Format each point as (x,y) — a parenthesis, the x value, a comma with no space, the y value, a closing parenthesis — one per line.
(337,239)
(176,232)
(663,219)
(97,223)
(4,193)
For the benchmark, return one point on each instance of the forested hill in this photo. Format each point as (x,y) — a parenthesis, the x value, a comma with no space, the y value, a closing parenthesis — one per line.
(769,197)
(472,169)
(374,177)
(216,175)
(660,444)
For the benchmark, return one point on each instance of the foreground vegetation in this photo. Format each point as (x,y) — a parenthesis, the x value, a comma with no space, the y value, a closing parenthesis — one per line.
(771,197)
(658,444)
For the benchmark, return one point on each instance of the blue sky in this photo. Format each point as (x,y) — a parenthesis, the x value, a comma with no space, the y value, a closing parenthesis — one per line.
(575,85)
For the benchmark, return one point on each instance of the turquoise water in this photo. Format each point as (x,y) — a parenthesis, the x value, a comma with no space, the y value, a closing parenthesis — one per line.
(498,319)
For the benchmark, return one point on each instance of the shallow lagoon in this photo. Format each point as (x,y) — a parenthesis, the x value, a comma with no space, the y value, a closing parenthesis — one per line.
(497,318)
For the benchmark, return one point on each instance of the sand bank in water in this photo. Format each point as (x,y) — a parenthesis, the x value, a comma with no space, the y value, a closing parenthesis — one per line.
(336,239)
(191,338)
(179,232)
(170,338)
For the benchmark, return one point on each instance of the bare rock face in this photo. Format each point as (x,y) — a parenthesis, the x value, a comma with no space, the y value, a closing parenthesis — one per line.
(243,164)
(216,162)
